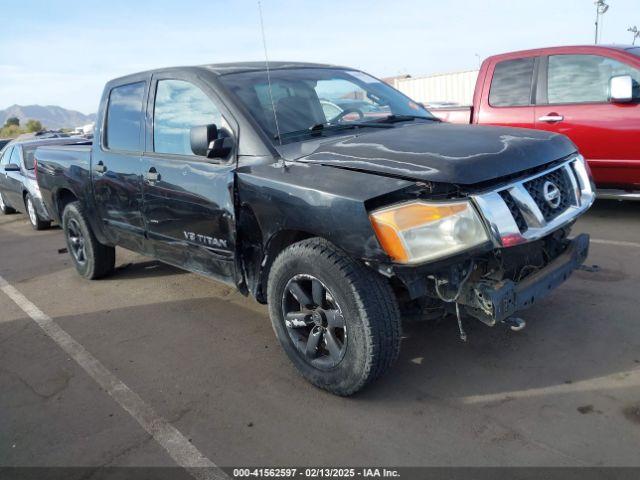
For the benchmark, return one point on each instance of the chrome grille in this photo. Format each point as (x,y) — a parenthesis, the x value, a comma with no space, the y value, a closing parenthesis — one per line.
(515,211)
(560,179)
(520,212)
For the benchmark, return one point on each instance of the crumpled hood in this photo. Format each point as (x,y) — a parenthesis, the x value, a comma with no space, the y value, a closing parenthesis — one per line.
(460,154)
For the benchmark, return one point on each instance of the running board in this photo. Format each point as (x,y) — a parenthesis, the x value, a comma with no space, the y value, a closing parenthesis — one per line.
(618,195)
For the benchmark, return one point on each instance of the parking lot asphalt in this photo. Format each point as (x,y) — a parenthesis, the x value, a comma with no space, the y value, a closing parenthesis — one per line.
(563,392)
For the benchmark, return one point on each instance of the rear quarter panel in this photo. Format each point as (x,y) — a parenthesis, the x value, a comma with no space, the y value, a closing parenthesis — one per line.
(63,168)
(453,115)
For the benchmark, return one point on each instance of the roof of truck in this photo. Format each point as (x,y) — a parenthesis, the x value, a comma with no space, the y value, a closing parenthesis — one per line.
(223,69)
(27,142)
(564,48)
(236,67)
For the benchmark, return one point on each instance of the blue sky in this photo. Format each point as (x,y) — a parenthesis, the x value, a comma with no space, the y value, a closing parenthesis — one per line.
(58,53)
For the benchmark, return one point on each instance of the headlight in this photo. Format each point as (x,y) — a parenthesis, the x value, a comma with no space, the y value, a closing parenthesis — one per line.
(418,231)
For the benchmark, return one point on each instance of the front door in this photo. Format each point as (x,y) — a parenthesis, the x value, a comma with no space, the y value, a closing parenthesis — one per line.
(577,105)
(13,181)
(188,199)
(509,102)
(4,181)
(118,167)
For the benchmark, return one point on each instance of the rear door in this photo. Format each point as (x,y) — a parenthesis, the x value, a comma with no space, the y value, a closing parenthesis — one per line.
(574,101)
(118,166)
(510,97)
(188,199)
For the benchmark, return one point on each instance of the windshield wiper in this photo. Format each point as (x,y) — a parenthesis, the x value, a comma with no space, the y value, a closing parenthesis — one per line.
(320,127)
(405,118)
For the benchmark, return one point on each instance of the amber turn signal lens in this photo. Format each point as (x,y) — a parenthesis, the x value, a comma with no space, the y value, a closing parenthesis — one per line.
(390,241)
(417,231)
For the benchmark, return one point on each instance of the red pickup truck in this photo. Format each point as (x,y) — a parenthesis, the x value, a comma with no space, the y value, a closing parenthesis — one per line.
(589,93)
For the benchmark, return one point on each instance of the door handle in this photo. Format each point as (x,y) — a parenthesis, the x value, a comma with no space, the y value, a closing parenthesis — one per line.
(101,167)
(152,175)
(552,117)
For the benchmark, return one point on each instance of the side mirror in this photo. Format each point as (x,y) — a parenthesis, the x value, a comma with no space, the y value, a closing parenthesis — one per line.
(11,167)
(208,141)
(621,89)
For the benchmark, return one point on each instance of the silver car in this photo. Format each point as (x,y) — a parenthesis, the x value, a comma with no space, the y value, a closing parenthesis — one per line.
(19,189)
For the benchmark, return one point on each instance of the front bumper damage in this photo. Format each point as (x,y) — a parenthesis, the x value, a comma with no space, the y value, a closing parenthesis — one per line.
(492,301)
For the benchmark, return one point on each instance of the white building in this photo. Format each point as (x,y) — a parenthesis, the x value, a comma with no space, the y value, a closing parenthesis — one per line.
(455,87)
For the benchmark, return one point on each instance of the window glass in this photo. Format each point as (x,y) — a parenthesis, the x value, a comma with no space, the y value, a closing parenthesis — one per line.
(585,78)
(5,156)
(179,106)
(124,117)
(635,51)
(307,97)
(29,157)
(15,156)
(511,83)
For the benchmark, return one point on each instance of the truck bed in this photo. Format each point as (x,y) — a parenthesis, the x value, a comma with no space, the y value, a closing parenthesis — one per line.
(453,114)
(62,167)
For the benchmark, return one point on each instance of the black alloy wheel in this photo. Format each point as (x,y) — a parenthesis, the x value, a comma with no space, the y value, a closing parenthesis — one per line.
(76,241)
(314,321)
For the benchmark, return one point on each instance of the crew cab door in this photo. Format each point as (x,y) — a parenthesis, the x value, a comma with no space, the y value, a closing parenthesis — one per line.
(117,166)
(507,99)
(575,102)
(188,199)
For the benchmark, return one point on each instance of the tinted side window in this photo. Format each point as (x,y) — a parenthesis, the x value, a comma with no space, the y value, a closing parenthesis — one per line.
(5,156)
(15,156)
(179,106)
(585,78)
(511,83)
(29,157)
(124,117)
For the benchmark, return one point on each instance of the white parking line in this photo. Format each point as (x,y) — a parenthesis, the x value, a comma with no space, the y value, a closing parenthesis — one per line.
(617,243)
(176,445)
(625,379)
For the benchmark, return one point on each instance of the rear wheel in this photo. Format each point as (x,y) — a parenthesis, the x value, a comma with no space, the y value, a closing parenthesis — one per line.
(337,321)
(91,258)
(36,222)
(4,208)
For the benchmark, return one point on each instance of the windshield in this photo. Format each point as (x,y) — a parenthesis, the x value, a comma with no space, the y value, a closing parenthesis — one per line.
(308,100)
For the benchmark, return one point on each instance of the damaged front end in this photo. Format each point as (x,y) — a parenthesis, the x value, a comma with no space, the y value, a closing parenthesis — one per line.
(527,222)
(493,287)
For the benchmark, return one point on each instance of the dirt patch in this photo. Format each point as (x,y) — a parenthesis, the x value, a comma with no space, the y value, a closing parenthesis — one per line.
(632,413)
(585,409)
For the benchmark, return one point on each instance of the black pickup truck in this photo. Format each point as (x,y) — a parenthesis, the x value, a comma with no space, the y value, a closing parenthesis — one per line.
(327,194)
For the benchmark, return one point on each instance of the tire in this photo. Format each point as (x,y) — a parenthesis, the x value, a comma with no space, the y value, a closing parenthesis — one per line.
(361,300)
(4,208)
(92,259)
(36,222)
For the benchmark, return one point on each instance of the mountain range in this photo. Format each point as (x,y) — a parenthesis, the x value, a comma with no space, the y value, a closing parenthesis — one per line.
(51,116)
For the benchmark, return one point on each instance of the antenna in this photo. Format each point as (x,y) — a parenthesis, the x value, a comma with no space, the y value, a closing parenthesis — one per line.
(266,62)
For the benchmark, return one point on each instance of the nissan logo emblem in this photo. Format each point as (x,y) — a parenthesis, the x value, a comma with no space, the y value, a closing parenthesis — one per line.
(552,194)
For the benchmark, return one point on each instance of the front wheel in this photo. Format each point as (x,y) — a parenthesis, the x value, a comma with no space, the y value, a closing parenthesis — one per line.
(91,258)
(4,208)
(36,222)
(337,321)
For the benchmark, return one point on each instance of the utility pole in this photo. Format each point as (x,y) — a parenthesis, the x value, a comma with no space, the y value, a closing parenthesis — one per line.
(601,8)
(636,33)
